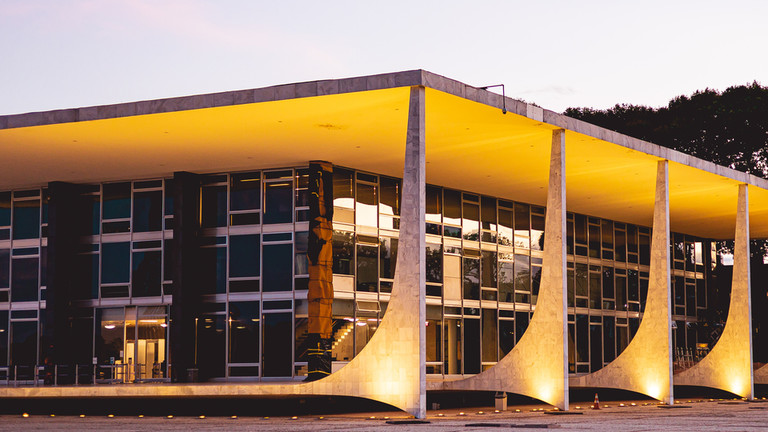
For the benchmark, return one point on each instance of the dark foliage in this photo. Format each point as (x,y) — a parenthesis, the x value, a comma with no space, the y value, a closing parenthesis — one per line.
(728,128)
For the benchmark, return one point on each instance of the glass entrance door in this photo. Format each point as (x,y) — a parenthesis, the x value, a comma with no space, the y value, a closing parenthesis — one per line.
(131,343)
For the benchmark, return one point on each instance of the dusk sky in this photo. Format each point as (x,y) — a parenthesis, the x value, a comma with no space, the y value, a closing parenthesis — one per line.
(557,54)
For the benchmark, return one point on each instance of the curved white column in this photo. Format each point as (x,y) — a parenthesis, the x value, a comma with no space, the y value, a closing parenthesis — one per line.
(729,365)
(538,365)
(645,366)
(391,367)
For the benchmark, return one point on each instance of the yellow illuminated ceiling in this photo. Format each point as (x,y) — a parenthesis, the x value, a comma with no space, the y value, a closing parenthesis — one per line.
(470,146)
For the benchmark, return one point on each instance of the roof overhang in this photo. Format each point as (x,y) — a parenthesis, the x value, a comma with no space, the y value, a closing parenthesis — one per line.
(361,123)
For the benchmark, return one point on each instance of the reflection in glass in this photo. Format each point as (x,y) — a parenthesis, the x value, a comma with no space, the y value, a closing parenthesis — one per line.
(24,282)
(244,332)
(278,271)
(434,256)
(366,212)
(211,346)
(245,191)
(506,228)
(522,226)
(146,273)
(5,267)
(26,219)
(277,358)
(24,343)
(244,255)
(387,256)
(506,337)
(367,268)
(471,222)
(343,193)
(117,200)
(471,278)
(343,257)
(506,281)
(147,211)
(537,231)
(452,209)
(115,262)
(278,202)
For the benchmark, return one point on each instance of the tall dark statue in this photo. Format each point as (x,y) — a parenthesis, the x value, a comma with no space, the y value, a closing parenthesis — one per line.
(320,255)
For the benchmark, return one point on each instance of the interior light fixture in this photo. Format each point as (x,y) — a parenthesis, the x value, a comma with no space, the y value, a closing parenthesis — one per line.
(109,326)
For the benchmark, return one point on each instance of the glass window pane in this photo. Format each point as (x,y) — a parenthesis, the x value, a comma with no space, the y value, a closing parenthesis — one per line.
(115,262)
(278,267)
(452,208)
(24,343)
(146,273)
(343,195)
(596,347)
(506,337)
(488,269)
(582,338)
(471,222)
(278,202)
(213,270)
(244,255)
(5,268)
(366,212)
(117,200)
(609,338)
(343,252)
(506,281)
(522,274)
(387,257)
(214,212)
(506,228)
(434,263)
(245,192)
(522,226)
(452,344)
(367,268)
(452,277)
(537,232)
(4,338)
(5,209)
(471,278)
(595,291)
(244,332)
(488,213)
(471,346)
(26,219)
(24,286)
(390,196)
(211,346)
(277,355)
(433,207)
(489,335)
(148,211)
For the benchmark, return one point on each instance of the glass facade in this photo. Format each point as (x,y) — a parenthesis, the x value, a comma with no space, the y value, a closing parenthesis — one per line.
(483,255)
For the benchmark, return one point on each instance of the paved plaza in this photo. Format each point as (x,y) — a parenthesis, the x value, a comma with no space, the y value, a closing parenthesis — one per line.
(696,415)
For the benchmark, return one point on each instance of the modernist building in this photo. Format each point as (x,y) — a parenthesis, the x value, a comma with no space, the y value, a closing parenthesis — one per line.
(170,240)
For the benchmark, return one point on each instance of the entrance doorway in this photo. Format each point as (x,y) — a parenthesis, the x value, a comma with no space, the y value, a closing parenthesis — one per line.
(131,343)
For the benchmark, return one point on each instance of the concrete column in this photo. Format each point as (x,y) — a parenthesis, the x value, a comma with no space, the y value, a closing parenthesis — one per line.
(538,365)
(64,219)
(645,366)
(186,280)
(391,367)
(729,365)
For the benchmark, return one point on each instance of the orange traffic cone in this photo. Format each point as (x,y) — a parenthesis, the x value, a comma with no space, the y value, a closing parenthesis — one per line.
(597,403)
